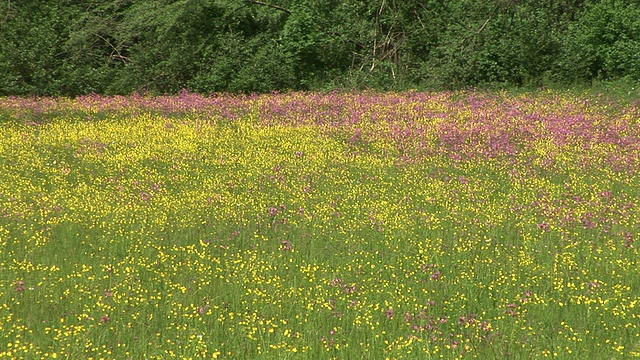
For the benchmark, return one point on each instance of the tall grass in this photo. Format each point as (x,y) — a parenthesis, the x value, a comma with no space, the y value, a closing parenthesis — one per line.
(304,225)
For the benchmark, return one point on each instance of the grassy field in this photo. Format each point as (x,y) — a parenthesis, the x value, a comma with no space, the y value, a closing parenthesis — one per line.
(319,226)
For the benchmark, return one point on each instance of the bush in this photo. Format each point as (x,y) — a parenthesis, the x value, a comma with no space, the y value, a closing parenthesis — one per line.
(603,43)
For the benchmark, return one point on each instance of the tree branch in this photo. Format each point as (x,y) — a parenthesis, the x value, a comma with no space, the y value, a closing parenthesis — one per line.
(273,6)
(477,32)
(8,14)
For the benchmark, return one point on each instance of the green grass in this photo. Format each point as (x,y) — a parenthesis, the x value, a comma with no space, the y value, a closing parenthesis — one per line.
(126,238)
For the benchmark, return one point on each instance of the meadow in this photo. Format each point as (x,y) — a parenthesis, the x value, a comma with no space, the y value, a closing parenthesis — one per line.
(446,225)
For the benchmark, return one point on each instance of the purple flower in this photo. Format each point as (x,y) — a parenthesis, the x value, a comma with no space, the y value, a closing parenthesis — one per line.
(348,289)
(145,196)
(390,313)
(544,226)
(286,246)
(436,275)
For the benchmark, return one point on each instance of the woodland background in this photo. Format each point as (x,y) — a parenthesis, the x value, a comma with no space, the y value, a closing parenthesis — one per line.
(68,48)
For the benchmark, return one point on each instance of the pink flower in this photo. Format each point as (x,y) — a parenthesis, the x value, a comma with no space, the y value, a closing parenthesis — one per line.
(390,313)
(436,275)
(544,226)
(145,196)
(273,211)
(286,246)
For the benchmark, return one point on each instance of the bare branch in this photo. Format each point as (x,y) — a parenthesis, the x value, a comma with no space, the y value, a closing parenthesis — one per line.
(115,53)
(484,25)
(477,32)
(273,6)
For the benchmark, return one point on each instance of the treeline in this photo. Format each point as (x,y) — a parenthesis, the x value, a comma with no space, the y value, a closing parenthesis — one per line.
(65,47)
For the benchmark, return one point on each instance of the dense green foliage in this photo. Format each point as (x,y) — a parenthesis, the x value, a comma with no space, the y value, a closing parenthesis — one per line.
(161,46)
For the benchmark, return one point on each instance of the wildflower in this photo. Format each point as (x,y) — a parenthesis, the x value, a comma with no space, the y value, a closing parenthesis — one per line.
(348,289)
(408,317)
(145,196)
(544,226)
(511,309)
(203,309)
(286,246)
(436,275)
(628,240)
(273,211)
(390,313)
(485,326)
